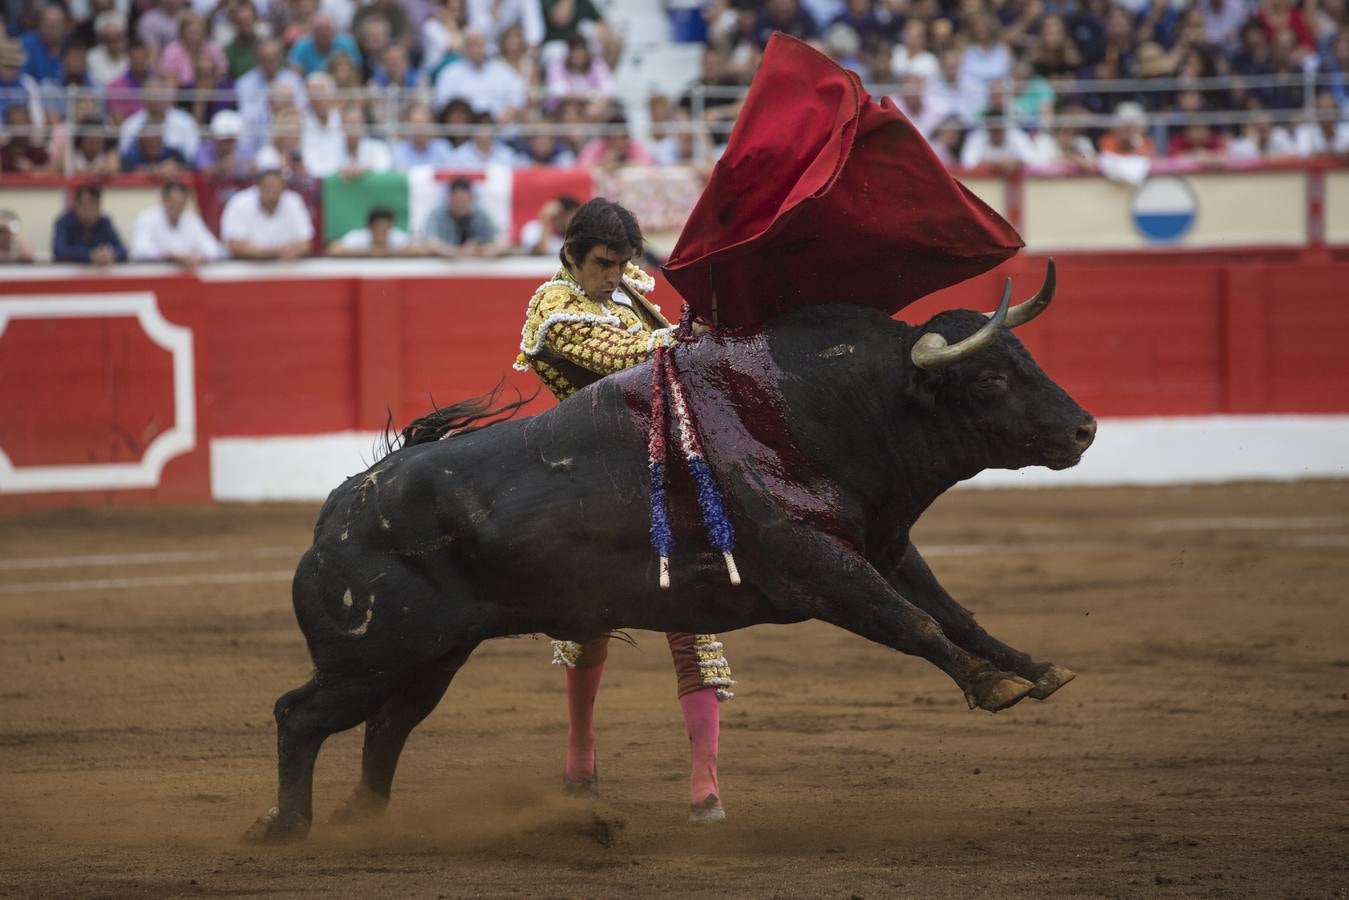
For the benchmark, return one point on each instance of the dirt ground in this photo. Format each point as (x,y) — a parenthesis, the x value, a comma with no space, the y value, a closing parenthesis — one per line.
(1203,752)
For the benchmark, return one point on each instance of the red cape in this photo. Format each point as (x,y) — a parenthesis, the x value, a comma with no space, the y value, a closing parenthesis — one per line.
(823,195)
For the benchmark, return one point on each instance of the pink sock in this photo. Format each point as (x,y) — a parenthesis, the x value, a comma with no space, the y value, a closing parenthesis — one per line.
(582,686)
(702,720)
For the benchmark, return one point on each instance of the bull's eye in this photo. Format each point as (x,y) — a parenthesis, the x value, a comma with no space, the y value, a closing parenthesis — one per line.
(991,383)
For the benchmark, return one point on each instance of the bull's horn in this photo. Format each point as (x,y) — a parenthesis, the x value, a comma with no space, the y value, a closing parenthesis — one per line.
(1023,312)
(931,351)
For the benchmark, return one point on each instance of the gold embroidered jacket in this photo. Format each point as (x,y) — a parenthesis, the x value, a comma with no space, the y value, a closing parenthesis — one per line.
(571,339)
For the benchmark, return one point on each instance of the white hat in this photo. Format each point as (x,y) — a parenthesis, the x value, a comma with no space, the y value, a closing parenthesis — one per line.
(227,124)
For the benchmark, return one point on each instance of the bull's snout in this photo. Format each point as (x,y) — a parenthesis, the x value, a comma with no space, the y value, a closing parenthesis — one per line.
(1085,434)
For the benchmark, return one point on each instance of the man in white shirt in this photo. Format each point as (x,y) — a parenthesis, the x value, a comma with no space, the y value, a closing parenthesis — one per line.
(254,85)
(267,221)
(108,59)
(178,128)
(379,238)
(360,152)
(322,141)
(170,232)
(994,144)
(489,85)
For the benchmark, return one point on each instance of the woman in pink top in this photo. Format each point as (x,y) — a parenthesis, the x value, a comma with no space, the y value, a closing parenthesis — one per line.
(177,60)
(579,74)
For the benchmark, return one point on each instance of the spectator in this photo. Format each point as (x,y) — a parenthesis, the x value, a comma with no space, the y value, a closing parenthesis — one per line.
(396,70)
(284,152)
(461,228)
(1194,140)
(249,33)
(543,236)
(443,36)
(865,18)
(378,238)
(951,92)
(1335,68)
(393,13)
(993,143)
(495,17)
(1260,139)
(373,39)
(13,247)
(1054,54)
(1222,21)
(1128,136)
(520,56)
(1062,147)
(564,18)
(946,140)
(209,91)
(84,234)
(17,88)
(482,149)
(1326,134)
(323,139)
(911,56)
(986,59)
(345,74)
(220,156)
(311,53)
(149,155)
(925,110)
(124,92)
(785,16)
(94,152)
(109,59)
(1087,26)
(170,232)
(74,77)
(45,44)
(254,87)
(420,147)
(177,128)
(1285,15)
(176,60)
(84,17)
(489,85)
(579,73)
(292,19)
(458,116)
(543,149)
(266,221)
(360,152)
(616,147)
(158,25)
(22,151)
(675,139)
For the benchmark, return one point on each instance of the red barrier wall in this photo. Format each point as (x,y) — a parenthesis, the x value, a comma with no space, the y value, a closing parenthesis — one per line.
(301,355)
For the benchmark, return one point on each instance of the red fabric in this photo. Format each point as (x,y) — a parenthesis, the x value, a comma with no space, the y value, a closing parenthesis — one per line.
(823,195)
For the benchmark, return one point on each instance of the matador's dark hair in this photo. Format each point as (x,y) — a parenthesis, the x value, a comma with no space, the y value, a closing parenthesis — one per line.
(600,222)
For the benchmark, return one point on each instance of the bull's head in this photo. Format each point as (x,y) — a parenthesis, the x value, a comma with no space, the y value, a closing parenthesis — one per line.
(987,383)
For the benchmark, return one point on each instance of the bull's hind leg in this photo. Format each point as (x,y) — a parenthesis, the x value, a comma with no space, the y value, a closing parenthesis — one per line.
(913,579)
(387,731)
(305,717)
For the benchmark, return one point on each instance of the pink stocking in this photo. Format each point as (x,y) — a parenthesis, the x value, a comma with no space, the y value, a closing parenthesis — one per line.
(702,720)
(582,686)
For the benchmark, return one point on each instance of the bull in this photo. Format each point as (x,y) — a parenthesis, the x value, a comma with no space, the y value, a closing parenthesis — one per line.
(830,431)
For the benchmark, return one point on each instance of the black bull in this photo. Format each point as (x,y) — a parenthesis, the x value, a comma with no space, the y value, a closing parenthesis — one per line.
(829,431)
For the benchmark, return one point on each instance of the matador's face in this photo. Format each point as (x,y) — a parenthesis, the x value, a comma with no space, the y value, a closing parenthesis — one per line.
(599,273)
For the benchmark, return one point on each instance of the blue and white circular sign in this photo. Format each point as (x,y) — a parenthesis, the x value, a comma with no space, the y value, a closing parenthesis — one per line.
(1164,208)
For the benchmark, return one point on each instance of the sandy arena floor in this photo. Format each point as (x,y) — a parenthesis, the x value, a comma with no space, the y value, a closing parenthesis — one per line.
(1203,752)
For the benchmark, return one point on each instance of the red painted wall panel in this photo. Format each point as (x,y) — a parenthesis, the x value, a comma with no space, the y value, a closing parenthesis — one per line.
(284,355)
(1308,339)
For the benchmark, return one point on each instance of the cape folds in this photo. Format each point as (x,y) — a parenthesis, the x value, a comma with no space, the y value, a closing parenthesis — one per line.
(824,195)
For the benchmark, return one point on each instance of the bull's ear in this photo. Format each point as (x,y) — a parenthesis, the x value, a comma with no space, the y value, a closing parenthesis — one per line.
(1023,312)
(931,351)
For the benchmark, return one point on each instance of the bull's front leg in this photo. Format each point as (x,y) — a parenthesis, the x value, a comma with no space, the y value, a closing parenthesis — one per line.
(909,574)
(828,579)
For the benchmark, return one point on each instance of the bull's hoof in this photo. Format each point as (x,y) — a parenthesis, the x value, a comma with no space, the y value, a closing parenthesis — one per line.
(997,690)
(362,806)
(1053,678)
(273,829)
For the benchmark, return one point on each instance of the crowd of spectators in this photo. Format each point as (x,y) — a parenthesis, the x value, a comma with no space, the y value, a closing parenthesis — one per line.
(306,89)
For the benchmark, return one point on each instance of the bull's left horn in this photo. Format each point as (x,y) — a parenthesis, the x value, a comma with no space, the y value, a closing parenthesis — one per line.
(1023,312)
(932,352)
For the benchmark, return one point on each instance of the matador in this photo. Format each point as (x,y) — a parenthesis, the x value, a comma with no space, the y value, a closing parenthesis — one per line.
(580,326)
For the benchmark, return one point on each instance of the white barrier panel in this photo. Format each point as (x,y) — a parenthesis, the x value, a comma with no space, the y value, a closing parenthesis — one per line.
(1201,449)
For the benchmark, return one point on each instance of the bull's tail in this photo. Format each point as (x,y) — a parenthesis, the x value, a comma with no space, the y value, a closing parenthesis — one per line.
(472,414)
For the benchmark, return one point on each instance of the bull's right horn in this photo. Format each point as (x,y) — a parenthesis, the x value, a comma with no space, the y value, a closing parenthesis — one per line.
(1023,312)
(932,352)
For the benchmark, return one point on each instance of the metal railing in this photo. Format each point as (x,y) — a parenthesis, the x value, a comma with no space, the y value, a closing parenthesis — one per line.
(386,109)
